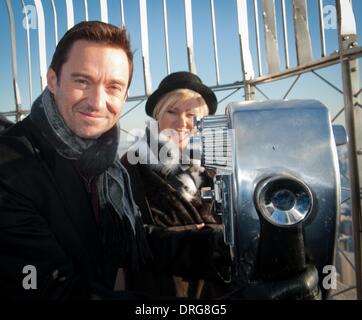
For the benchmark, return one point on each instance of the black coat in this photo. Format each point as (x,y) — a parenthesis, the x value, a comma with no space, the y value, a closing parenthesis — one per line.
(4,123)
(47,221)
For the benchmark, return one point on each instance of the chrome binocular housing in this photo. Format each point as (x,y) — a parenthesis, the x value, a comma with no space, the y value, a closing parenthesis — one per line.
(277,159)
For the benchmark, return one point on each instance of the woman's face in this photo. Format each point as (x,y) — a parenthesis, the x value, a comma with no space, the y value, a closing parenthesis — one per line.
(180,118)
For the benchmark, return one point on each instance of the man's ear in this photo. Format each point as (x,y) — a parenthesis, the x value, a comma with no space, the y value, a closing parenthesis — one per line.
(51,80)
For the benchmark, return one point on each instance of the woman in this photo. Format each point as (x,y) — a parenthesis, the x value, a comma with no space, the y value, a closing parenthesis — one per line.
(166,181)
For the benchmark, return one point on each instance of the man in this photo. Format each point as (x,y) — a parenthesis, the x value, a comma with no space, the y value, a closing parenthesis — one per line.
(69,227)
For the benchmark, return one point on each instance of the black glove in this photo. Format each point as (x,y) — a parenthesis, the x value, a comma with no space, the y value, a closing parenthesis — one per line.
(303,286)
(191,254)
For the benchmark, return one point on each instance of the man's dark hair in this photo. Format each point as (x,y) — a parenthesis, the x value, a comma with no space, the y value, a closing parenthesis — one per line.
(93,31)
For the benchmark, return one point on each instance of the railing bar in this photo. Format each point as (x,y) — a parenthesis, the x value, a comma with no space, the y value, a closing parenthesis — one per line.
(229,95)
(13,61)
(321,28)
(271,37)
(349,261)
(307,67)
(189,36)
(234,85)
(214,40)
(350,81)
(104,11)
(343,291)
(125,131)
(70,13)
(224,87)
(14,113)
(130,110)
(347,23)
(344,176)
(122,14)
(265,96)
(328,82)
(86,10)
(243,29)
(285,35)
(42,44)
(257,30)
(292,86)
(302,34)
(55,23)
(345,200)
(165,26)
(145,47)
(30,77)
(338,114)
(358,93)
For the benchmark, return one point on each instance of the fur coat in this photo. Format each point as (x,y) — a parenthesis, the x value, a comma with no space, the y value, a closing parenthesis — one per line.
(169,196)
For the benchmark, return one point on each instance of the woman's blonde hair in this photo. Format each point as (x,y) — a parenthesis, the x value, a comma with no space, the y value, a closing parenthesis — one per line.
(175,97)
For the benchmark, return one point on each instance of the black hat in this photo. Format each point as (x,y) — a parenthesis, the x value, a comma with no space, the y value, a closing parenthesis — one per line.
(182,80)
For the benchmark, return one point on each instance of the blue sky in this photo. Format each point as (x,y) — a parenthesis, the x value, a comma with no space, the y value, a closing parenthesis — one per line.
(309,86)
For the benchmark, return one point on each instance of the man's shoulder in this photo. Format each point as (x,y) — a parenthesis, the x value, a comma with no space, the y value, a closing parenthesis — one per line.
(14,143)
(21,166)
(18,154)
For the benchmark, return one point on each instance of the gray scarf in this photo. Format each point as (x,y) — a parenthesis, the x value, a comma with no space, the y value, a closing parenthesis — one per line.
(96,158)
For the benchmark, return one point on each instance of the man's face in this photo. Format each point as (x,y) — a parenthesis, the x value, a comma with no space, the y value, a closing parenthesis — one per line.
(92,88)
